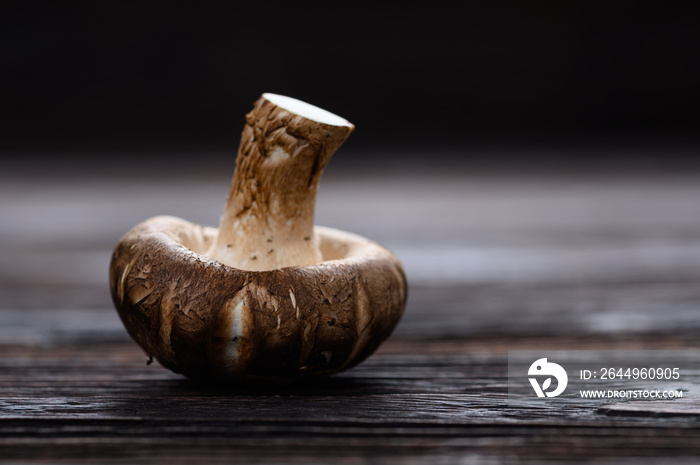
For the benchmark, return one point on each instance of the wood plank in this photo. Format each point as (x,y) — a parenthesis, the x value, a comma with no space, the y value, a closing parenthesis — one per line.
(98,380)
(90,403)
(495,263)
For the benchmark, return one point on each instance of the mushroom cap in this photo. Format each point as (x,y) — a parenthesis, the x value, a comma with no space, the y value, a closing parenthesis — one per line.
(204,319)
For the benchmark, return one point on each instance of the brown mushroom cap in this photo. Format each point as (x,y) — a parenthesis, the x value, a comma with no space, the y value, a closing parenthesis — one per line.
(204,319)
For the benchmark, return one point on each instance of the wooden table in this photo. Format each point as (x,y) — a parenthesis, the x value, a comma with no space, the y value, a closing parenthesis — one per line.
(496,262)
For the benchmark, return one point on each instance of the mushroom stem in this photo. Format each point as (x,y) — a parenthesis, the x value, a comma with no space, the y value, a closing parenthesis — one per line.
(268,221)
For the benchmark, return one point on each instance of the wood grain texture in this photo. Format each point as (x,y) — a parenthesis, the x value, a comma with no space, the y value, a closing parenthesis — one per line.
(494,264)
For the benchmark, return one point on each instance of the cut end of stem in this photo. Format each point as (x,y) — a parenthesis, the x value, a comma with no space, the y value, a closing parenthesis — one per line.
(307,110)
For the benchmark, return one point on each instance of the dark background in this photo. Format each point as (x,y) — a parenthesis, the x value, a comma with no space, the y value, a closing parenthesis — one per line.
(177,77)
